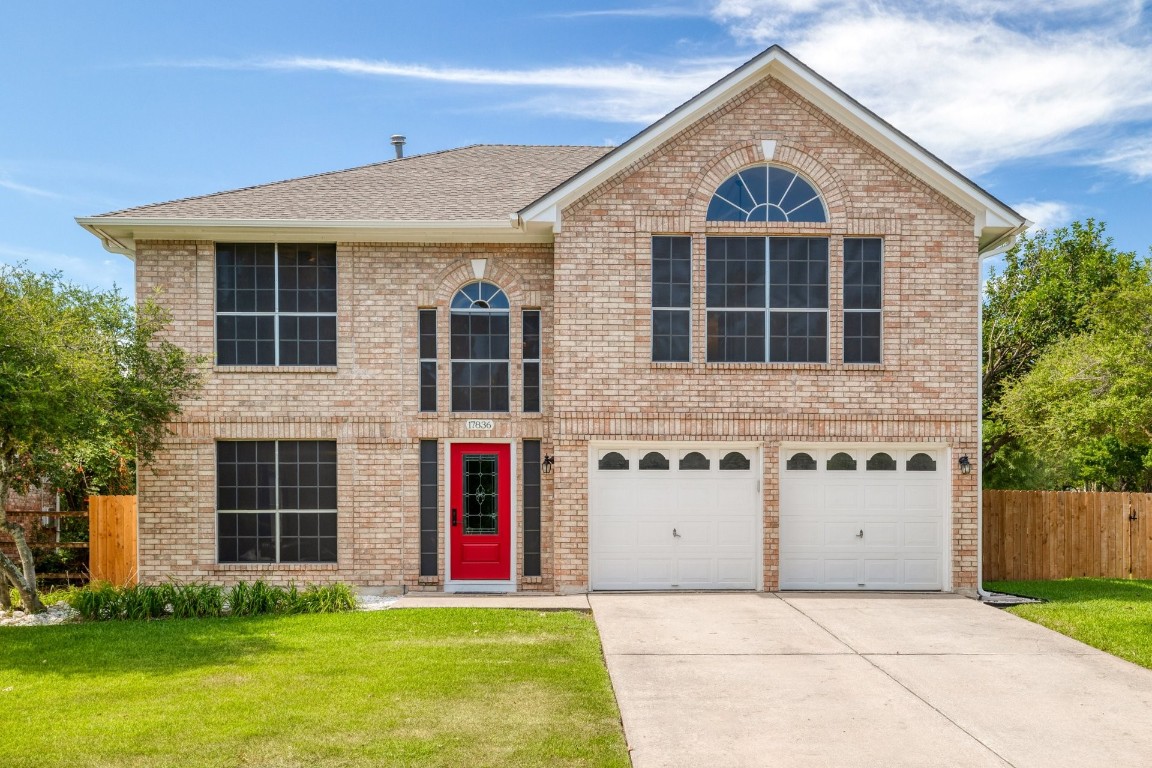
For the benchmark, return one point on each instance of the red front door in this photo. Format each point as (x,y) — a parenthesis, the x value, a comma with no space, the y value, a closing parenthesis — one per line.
(481,512)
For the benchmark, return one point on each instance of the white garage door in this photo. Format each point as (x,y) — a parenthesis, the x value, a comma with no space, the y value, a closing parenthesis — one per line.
(863,518)
(669,517)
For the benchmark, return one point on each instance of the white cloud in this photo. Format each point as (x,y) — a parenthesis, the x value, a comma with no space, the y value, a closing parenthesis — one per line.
(1045,214)
(1132,157)
(25,189)
(628,93)
(977,83)
(105,272)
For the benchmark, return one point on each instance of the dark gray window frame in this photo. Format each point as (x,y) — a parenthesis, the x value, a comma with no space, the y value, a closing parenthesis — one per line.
(750,310)
(429,508)
(530,361)
(460,364)
(276,314)
(426,333)
(276,510)
(861,311)
(532,506)
(669,309)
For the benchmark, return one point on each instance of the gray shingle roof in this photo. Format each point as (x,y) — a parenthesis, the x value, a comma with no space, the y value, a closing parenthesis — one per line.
(479,182)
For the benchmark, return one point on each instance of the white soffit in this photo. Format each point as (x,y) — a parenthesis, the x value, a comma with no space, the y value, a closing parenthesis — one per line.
(994,220)
(119,234)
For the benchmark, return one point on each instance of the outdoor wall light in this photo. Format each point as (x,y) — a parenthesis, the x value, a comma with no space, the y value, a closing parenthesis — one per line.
(546,465)
(965,465)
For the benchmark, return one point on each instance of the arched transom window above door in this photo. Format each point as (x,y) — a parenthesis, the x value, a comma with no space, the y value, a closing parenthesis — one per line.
(480,348)
(767,193)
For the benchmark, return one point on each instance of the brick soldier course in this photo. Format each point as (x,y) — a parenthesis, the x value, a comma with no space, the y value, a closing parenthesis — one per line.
(407,238)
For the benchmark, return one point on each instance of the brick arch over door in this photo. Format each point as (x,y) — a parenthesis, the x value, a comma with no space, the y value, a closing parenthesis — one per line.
(788,155)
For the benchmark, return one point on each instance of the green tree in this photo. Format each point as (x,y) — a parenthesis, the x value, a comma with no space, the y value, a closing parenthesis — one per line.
(1086,405)
(1040,297)
(84,377)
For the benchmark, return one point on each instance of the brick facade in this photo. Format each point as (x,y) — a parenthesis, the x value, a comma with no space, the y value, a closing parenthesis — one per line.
(593,289)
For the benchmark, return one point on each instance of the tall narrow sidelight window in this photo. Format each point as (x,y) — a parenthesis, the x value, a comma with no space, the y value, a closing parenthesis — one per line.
(276,501)
(671,298)
(275,304)
(427,360)
(531,358)
(429,494)
(531,507)
(863,299)
(480,348)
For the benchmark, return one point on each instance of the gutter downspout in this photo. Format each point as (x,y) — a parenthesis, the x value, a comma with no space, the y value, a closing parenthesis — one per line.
(995,249)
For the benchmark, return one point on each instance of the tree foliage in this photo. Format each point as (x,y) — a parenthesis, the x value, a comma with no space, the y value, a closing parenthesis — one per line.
(86,382)
(1046,293)
(1086,405)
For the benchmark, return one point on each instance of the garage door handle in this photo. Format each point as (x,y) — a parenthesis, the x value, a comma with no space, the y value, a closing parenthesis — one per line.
(860,535)
(675,534)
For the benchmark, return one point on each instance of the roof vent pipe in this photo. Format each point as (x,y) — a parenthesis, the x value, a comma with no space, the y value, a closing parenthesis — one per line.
(398,142)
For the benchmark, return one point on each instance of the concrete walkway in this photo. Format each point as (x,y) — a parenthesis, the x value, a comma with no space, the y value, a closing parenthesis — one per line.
(723,680)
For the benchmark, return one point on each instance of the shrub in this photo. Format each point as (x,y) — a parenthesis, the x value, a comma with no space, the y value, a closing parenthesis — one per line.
(101,601)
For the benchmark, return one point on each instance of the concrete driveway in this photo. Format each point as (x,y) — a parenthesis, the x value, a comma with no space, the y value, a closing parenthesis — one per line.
(863,680)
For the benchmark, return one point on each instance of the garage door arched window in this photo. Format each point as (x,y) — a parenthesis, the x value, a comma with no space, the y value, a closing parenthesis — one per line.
(881,462)
(920,462)
(767,193)
(612,460)
(842,462)
(801,462)
(735,461)
(654,460)
(480,348)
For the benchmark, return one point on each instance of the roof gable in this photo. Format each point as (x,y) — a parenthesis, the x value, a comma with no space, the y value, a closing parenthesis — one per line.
(995,222)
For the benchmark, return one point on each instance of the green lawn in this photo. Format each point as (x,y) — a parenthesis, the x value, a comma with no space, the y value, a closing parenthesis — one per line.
(1114,615)
(437,687)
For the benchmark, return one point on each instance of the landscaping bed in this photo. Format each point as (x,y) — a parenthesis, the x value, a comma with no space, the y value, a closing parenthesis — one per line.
(1114,615)
(437,687)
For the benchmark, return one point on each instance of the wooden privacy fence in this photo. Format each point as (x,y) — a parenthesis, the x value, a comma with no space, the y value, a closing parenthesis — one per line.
(1061,534)
(112,539)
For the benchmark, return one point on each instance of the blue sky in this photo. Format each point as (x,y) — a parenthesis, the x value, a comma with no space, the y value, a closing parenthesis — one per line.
(1045,103)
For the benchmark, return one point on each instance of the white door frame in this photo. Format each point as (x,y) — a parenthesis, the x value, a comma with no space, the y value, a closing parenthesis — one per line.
(468,585)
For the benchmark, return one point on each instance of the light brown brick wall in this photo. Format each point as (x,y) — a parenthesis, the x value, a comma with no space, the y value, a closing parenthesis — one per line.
(599,382)
(606,386)
(368,404)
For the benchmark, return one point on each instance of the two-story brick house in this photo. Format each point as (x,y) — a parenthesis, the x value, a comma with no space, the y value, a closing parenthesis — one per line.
(739,351)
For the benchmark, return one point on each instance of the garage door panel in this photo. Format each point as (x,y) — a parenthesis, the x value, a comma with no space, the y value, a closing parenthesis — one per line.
(717,517)
(801,571)
(882,497)
(800,496)
(923,573)
(736,570)
(902,514)
(841,535)
(843,497)
(735,532)
(801,533)
(923,534)
(922,496)
(653,571)
(841,573)
(884,572)
(885,535)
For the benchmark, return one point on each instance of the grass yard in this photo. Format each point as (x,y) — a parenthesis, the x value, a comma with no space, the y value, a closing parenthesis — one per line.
(435,687)
(1114,615)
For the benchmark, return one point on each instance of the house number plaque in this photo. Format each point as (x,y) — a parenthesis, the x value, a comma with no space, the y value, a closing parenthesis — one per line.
(480,425)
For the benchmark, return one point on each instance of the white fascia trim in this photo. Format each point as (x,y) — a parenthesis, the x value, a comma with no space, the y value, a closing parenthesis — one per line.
(119,234)
(989,212)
